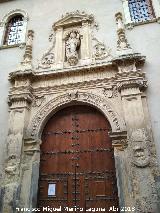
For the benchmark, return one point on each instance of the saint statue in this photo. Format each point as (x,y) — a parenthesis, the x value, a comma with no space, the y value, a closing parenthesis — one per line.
(72,45)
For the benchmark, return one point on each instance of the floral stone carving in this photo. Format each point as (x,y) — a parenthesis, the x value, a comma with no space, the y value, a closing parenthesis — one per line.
(49,57)
(100,51)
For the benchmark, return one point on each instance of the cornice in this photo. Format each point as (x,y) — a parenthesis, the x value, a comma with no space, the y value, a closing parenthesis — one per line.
(31,74)
(133,57)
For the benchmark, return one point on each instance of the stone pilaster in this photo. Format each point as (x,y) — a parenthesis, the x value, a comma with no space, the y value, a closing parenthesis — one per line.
(19,99)
(131,83)
(59,48)
(86,42)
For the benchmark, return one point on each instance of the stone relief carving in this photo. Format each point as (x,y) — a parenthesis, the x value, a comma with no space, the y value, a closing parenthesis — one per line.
(100,51)
(122,43)
(120,144)
(38,100)
(79,13)
(14,142)
(26,64)
(140,152)
(48,58)
(110,92)
(73,95)
(72,45)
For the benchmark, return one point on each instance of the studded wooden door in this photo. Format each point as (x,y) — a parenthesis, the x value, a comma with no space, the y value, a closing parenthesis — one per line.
(77,161)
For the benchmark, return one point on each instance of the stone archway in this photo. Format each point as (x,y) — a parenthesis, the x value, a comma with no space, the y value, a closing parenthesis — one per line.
(77,167)
(39,120)
(33,136)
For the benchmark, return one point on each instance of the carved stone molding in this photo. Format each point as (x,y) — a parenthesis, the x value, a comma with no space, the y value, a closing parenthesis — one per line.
(74,17)
(4,22)
(38,121)
(13,12)
(131,83)
(20,95)
(119,140)
(110,92)
(38,101)
(31,146)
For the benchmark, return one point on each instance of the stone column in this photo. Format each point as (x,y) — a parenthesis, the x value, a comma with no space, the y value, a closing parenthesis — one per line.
(18,119)
(140,154)
(2,32)
(20,99)
(30,173)
(120,145)
(86,42)
(59,48)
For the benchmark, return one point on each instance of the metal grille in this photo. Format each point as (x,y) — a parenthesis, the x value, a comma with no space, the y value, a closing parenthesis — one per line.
(141,10)
(14,31)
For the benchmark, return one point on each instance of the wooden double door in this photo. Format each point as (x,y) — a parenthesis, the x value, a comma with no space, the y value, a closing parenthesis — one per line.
(77,165)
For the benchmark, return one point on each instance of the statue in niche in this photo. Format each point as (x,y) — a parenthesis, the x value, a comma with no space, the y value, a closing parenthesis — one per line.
(72,46)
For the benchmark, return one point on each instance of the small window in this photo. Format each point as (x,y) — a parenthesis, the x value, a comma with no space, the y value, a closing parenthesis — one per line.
(141,10)
(14,31)
(51,189)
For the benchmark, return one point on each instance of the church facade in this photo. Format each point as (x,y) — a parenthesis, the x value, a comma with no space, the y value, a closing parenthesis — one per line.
(79,106)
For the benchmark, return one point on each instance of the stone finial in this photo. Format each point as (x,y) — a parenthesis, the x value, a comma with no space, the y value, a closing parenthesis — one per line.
(27,58)
(119,20)
(122,43)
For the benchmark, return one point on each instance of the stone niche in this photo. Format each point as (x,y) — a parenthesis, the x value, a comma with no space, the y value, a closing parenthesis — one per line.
(73,43)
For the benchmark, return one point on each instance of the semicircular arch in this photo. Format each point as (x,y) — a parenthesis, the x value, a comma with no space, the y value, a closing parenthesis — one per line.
(51,107)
